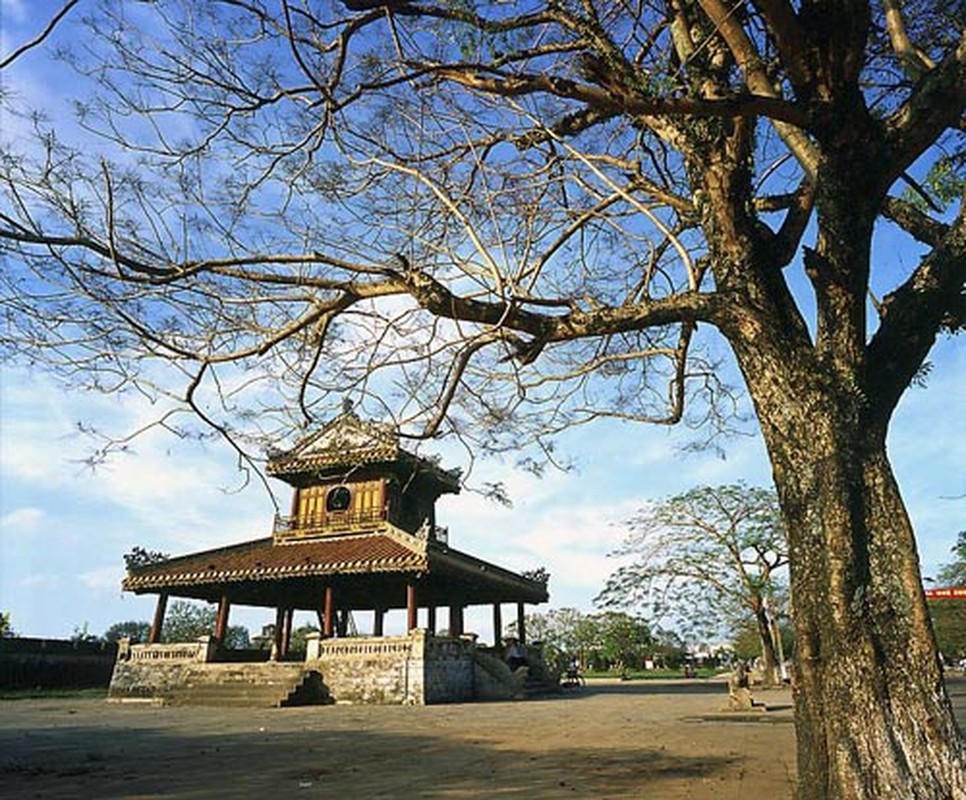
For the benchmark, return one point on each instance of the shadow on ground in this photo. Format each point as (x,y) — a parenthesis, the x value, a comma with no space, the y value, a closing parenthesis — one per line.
(103,762)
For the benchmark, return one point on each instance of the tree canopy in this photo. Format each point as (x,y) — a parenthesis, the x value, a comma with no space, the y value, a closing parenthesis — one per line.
(185,621)
(498,220)
(411,203)
(954,573)
(599,641)
(135,630)
(707,561)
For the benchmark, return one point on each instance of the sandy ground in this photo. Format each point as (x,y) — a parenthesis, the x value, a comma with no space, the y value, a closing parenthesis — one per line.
(667,740)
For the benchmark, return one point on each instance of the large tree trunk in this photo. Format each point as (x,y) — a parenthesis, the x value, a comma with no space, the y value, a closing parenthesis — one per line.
(872,716)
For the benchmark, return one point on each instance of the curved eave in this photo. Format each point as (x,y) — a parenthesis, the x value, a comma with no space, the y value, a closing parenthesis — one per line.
(264,561)
(517,587)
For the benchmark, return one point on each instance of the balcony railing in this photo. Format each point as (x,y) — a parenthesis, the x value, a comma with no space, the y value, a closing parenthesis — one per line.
(332,521)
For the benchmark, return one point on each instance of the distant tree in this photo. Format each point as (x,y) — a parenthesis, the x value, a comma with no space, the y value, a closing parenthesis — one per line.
(561,630)
(746,640)
(82,634)
(136,631)
(622,640)
(297,643)
(954,573)
(6,629)
(186,621)
(949,616)
(949,623)
(599,640)
(707,560)
(669,650)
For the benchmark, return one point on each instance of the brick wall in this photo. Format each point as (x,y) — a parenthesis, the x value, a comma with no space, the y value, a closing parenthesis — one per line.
(27,663)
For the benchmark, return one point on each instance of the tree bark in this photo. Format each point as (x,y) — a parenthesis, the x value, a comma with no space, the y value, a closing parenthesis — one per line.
(872,716)
(769,658)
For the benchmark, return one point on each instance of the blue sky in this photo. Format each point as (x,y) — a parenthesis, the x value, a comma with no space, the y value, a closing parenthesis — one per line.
(65,528)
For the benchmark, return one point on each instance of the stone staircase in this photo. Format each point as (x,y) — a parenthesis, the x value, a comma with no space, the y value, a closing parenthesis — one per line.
(540,686)
(268,685)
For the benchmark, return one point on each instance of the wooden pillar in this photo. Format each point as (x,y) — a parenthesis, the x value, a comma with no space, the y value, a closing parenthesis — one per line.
(412,621)
(431,620)
(221,620)
(329,614)
(155,634)
(497,625)
(278,634)
(342,622)
(456,620)
(521,625)
(378,621)
(287,630)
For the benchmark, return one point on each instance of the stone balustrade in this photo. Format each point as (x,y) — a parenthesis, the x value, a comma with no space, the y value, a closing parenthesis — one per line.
(201,651)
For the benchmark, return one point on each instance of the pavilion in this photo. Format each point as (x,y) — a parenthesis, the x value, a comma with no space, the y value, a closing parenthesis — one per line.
(361,536)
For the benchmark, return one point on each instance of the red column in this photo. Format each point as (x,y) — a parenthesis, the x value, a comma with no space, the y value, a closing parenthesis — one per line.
(155,635)
(279,633)
(411,608)
(287,630)
(521,625)
(497,625)
(221,621)
(329,614)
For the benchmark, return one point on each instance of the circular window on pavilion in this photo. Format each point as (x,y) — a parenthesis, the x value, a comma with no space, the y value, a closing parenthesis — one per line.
(338,499)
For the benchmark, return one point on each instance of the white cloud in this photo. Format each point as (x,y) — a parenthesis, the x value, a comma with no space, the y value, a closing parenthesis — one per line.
(26,518)
(39,580)
(103,579)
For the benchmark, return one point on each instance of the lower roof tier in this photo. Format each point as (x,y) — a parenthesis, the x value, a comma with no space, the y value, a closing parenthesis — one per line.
(366,571)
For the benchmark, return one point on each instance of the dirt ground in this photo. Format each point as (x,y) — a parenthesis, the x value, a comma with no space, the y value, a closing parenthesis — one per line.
(668,740)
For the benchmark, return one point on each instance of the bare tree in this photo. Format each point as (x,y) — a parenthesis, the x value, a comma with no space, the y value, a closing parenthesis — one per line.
(709,559)
(502,220)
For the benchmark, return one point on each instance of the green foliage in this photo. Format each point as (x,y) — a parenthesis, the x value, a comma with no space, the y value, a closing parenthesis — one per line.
(949,616)
(704,561)
(136,631)
(600,641)
(186,621)
(621,639)
(6,629)
(297,642)
(954,573)
(942,185)
(669,650)
(746,641)
(949,625)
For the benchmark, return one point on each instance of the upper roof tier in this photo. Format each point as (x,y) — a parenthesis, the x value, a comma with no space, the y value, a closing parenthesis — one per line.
(348,444)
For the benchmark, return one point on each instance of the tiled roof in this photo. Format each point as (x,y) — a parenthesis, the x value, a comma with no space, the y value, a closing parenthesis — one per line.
(263,560)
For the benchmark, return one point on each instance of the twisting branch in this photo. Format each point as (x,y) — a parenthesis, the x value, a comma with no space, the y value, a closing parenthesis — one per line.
(39,38)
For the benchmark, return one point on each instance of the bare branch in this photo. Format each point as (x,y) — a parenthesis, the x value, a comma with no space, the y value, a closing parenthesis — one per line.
(39,39)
